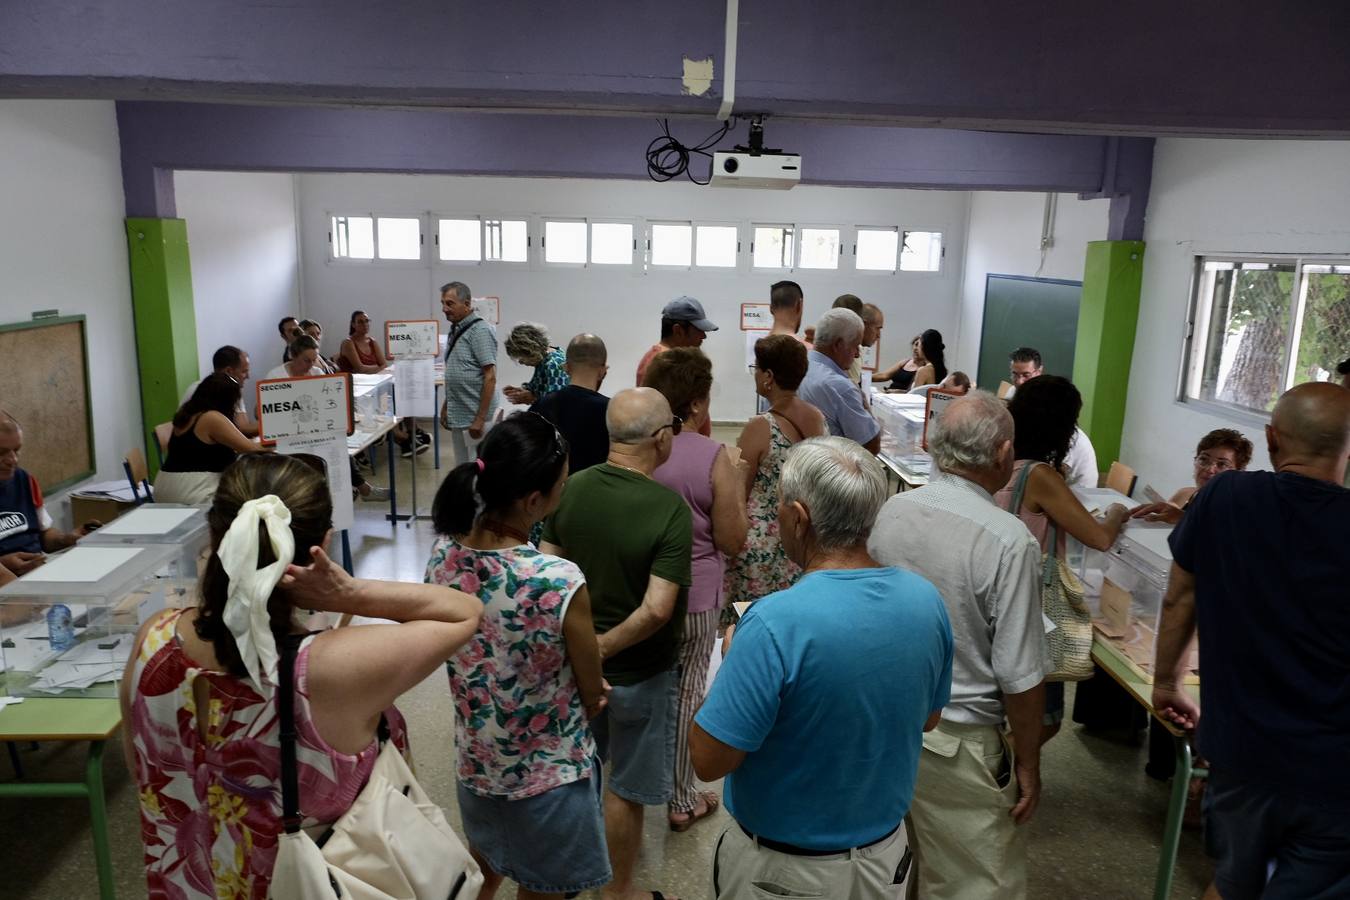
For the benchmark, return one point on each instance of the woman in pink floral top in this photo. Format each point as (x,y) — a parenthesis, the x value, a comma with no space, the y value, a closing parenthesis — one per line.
(526,684)
(198,695)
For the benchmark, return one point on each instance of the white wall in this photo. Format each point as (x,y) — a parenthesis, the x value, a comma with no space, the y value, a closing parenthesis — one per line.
(63,246)
(1004,238)
(1212,196)
(245,262)
(624,307)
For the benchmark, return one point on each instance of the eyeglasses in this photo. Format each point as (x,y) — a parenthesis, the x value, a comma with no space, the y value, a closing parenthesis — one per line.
(1208,462)
(558,448)
(676,423)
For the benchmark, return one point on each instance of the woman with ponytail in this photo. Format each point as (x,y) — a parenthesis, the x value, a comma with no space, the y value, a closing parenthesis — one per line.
(934,369)
(199,694)
(527,684)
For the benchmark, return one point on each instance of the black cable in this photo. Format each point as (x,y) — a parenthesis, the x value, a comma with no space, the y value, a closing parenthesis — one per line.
(667,158)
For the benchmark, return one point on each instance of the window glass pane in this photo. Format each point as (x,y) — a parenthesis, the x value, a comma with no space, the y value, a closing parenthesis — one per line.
(716,246)
(820,248)
(921,251)
(506,240)
(400,238)
(1324,338)
(612,243)
(565,242)
(772,247)
(1244,343)
(460,240)
(353,237)
(672,245)
(876,249)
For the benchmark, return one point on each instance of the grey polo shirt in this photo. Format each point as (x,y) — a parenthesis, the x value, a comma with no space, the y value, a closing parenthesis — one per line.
(827,388)
(987,567)
(464,370)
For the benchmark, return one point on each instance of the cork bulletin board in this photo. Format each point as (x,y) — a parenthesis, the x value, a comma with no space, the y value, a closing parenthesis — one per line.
(44,383)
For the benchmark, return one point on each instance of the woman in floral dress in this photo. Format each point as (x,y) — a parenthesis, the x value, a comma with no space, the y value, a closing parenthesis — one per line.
(762,566)
(527,684)
(199,694)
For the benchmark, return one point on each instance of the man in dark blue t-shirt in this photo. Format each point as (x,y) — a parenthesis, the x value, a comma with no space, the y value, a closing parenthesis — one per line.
(26,530)
(1260,564)
(578,410)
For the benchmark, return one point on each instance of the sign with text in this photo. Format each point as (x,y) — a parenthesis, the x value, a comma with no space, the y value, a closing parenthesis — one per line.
(936,404)
(489,309)
(412,337)
(869,356)
(756,317)
(415,386)
(310,406)
(332,451)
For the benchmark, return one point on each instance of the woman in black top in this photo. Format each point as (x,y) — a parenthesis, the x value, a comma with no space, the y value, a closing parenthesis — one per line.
(204,442)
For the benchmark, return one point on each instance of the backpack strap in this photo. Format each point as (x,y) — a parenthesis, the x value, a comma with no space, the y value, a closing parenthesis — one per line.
(290,780)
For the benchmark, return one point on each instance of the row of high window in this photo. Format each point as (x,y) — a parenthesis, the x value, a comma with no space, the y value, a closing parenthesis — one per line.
(632,243)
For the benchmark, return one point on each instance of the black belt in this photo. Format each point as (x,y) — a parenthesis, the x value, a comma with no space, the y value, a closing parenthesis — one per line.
(793,850)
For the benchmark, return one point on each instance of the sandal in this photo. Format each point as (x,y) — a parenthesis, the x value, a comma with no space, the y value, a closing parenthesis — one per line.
(710,800)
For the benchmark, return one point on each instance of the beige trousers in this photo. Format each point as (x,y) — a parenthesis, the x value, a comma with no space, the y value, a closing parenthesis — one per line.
(743,870)
(965,844)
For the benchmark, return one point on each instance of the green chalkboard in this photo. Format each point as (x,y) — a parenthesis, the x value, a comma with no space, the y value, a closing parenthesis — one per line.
(1027,312)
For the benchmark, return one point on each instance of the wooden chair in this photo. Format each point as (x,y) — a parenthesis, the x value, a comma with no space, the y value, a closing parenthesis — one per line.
(1121,478)
(163,431)
(138,474)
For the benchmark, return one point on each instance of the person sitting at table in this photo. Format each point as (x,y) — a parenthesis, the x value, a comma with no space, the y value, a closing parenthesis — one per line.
(26,528)
(199,695)
(203,443)
(315,330)
(1222,450)
(957,381)
(528,345)
(901,375)
(360,354)
(304,360)
(290,330)
(234,363)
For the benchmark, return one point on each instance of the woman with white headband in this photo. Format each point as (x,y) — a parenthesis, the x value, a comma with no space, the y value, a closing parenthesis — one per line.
(199,698)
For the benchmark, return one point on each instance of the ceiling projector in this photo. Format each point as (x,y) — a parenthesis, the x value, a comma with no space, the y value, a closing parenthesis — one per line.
(777,171)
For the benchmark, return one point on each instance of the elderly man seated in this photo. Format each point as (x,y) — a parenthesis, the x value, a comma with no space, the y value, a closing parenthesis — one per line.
(818,712)
(27,531)
(827,387)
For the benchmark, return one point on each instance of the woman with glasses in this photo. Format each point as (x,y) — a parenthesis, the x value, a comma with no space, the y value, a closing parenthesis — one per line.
(528,682)
(1222,450)
(360,354)
(528,345)
(700,471)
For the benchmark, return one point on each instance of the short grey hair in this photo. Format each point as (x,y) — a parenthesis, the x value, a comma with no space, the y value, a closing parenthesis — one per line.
(460,290)
(528,343)
(969,433)
(871,312)
(8,423)
(841,485)
(839,325)
(635,413)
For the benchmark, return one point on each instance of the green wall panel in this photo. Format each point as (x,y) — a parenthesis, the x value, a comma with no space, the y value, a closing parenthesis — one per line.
(166,324)
(1107,318)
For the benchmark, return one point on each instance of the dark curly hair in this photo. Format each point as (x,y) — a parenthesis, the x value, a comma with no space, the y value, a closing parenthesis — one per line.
(1045,413)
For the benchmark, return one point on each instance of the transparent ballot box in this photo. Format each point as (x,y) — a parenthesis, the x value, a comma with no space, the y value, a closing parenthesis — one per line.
(161,523)
(373,400)
(1089,564)
(67,627)
(1133,584)
(901,419)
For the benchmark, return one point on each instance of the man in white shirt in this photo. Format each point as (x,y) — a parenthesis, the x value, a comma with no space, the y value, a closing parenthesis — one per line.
(233,362)
(976,787)
(1080,466)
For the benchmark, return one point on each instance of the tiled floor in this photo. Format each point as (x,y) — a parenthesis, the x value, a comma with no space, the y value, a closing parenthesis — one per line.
(1095,835)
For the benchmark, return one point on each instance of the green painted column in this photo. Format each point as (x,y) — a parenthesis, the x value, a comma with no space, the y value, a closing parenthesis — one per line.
(1106,324)
(166,323)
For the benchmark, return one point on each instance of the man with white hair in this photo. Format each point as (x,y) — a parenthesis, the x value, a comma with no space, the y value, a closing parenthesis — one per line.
(26,528)
(827,387)
(632,537)
(975,787)
(817,713)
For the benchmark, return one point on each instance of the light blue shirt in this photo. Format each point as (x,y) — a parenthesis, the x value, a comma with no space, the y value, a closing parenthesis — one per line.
(464,364)
(827,388)
(827,687)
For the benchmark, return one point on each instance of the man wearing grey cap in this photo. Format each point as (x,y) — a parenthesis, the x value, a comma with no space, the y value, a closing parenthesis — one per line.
(683,324)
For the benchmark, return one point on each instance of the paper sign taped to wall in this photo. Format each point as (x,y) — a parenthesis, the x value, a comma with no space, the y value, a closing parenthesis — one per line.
(756,317)
(868,356)
(310,406)
(405,338)
(489,309)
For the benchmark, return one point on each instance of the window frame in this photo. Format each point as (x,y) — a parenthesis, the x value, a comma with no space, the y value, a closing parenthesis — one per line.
(375,216)
(942,252)
(1196,324)
(543,259)
(647,227)
(437,218)
(736,267)
(839,254)
(788,226)
(899,232)
(635,262)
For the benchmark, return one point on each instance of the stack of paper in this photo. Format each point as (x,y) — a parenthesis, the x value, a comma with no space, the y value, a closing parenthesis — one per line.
(108,490)
(85,665)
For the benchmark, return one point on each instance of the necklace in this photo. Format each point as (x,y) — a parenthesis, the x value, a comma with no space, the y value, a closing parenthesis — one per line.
(629,468)
(499,527)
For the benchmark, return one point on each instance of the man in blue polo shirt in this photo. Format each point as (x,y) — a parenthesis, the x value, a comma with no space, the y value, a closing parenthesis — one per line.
(26,529)
(827,387)
(817,714)
(1260,566)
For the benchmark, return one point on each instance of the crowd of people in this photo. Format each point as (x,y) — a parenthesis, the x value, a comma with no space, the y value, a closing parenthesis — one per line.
(886,665)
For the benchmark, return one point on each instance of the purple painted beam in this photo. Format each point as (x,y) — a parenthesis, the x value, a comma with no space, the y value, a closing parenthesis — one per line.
(157,138)
(1154,66)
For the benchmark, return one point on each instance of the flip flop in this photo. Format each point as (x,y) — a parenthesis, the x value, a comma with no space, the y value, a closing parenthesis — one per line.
(710,800)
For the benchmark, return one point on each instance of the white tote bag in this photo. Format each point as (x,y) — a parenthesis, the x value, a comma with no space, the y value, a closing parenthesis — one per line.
(392,844)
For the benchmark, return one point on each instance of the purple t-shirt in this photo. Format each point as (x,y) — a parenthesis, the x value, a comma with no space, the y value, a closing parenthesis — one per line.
(688,473)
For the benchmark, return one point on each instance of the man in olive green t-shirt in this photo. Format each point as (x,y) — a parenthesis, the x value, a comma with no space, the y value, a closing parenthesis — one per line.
(632,538)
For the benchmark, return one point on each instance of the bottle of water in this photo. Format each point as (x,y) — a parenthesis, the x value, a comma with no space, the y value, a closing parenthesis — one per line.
(60,627)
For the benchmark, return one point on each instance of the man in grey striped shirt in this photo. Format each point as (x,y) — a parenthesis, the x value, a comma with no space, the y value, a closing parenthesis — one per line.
(976,784)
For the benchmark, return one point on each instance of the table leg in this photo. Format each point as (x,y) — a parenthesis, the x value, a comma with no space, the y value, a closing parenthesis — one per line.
(436,427)
(98,820)
(14,759)
(389,446)
(1176,810)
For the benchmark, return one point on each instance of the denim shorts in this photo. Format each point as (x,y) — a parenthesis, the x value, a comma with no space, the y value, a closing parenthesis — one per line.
(636,735)
(551,843)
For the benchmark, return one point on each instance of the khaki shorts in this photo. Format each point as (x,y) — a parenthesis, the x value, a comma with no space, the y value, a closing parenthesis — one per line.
(743,869)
